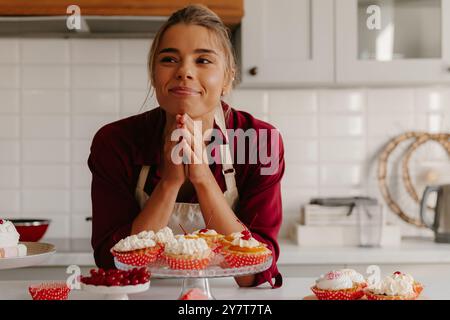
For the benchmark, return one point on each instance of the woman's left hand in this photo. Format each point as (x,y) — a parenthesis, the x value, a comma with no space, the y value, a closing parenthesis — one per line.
(198,170)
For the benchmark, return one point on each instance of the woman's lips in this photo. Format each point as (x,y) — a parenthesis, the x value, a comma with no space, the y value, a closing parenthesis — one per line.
(184,91)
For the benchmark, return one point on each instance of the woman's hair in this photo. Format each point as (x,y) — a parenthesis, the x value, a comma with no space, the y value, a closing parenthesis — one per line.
(198,15)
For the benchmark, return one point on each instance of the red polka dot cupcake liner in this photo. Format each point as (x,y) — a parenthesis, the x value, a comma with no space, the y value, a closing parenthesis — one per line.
(236,260)
(49,291)
(187,264)
(138,258)
(349,294)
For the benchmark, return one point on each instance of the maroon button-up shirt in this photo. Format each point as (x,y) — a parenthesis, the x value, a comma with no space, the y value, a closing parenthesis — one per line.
(120,149)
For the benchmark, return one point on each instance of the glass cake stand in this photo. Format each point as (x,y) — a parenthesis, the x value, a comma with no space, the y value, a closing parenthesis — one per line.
(37,253)
(198,279)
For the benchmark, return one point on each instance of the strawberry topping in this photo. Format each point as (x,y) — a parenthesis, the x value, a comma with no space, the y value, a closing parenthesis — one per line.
(397,272)
(203,230)
(1,221)
(246,235)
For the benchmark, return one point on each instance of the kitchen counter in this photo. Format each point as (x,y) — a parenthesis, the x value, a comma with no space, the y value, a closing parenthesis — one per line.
(411,251)
(295,288)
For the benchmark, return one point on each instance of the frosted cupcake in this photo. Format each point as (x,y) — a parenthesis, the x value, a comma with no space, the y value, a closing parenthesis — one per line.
(241,249)
(137,250)
(163,236)
(9,241)
(338,285)
(187,253)
(398,286)
(212,238)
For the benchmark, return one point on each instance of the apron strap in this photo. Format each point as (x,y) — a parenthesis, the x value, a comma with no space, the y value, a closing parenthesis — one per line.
(140,195)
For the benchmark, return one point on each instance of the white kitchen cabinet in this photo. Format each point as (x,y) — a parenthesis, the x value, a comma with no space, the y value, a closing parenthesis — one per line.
(392,41)
(287,42)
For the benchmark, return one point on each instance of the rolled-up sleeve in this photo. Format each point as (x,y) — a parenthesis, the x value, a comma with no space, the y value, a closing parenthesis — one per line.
(260,208)
(113,204)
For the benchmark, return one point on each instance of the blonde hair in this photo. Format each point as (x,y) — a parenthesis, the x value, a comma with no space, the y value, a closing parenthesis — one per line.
(198,15)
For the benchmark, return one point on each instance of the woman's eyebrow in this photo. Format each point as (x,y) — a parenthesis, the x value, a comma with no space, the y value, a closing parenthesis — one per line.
(173,50)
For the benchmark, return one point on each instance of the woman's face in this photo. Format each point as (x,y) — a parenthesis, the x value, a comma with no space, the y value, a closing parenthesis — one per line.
(189,71)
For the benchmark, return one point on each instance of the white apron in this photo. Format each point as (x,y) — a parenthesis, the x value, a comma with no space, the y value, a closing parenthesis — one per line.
(189,215)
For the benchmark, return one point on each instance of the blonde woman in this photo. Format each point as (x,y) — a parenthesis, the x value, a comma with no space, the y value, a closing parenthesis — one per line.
(136,183)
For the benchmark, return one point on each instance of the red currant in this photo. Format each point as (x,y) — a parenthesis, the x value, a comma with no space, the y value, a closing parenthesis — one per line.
(397,272)
(1,221)
(203,231)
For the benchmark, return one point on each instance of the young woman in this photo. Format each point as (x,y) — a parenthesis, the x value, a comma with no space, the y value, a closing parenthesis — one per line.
(136,184)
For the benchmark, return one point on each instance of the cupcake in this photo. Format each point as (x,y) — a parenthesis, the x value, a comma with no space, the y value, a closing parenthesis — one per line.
(212,238)
(340,285)
(9,241)
(241,249)
(187,253)
(137,250)
(398,286)
(164,236)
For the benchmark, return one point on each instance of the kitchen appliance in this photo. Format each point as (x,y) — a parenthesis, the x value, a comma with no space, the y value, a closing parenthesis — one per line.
(31,230)
(441,223)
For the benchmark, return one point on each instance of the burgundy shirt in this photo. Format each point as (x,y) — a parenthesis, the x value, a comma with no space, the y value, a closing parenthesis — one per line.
(120,149)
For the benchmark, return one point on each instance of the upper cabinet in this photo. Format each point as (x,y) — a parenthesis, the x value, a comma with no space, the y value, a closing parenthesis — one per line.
(286,42)
(344,42)
(392,41)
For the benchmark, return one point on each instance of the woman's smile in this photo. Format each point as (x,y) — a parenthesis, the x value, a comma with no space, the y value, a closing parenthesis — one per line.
(184,92)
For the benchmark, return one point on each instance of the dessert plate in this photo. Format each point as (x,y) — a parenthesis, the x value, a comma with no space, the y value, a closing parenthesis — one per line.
(115,292)
(37,253)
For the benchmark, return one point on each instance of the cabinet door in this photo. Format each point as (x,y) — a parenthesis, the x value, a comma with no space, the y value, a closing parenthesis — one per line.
(287,42)
(392,41)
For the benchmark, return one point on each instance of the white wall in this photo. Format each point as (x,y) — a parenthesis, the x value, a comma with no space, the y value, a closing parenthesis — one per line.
(55,94)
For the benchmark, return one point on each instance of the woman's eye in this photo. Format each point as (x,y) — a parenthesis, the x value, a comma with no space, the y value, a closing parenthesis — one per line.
(203,61)
(168,59)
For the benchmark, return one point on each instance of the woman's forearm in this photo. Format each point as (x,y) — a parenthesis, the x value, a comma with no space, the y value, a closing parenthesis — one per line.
(157,210)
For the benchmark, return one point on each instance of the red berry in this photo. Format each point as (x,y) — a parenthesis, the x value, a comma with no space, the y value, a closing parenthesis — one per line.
(125,282)
(1,221)
(93,272)
(203,230)
(135,281)
(397,272)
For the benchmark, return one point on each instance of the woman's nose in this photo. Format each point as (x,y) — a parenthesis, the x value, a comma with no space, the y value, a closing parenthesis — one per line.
(184,72)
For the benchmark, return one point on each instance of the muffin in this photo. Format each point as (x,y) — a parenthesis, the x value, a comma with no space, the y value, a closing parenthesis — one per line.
(241,249)
(398,286)
(212,238)
(187,253)
(137,250)
(340,285)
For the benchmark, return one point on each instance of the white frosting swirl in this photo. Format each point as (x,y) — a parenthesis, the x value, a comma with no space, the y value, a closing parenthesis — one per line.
(355,276)
(249,243)
(144,239)
(192,247)
(334,280)
(395,285)
(9,237)
(210,232)
(164,235)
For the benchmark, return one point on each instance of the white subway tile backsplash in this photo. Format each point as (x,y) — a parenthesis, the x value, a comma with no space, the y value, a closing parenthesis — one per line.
(134,51)
(9,51)
(37,127)
(292,127)
(44,51)
(337,175)
(294,198)
(341,126)
(137,101)
(284,102)
(95,101)
(59,226)
(301,150)
(9,127)
(80,228)
(46,176)
(94,51)
(253,101)
(80,151)
(85,127)
(9,203)
(45,77)
(342,192)
(45,201)
(389,101)
(342,101)
(81,176)
(9,151)
(433,122)
(134,77)
(95,76)
(42,101)
(432,100)
(389,125)
(301,176)
(46,151)
(9,101)
(81,201)
(342,150)
(9,176)
(9,76)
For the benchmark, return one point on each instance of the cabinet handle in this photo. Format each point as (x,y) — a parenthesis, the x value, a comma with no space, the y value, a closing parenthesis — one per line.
(253,71)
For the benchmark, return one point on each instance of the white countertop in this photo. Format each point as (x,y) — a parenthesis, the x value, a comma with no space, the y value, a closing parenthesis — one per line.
(435,288)
(412,251)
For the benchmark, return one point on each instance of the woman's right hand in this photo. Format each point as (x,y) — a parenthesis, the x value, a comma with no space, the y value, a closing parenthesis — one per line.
(171,173)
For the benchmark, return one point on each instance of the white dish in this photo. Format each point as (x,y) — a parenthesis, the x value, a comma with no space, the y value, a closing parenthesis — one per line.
(37,253)
(115,292)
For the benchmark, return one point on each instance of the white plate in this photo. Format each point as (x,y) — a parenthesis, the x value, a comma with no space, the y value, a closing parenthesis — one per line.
(37,253)
(115,292)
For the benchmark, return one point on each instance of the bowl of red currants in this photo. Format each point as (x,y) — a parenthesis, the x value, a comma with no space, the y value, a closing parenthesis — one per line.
(116,284)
